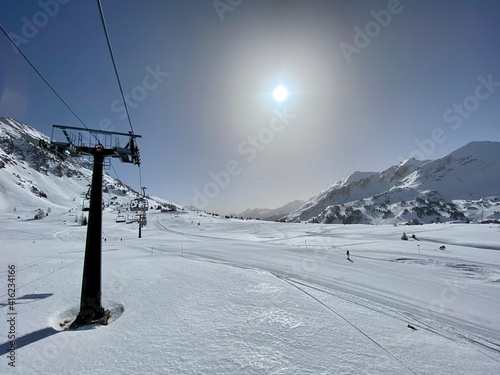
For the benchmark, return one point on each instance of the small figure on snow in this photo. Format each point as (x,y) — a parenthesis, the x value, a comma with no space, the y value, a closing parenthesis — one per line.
(348,255)
(411,327)
(404,237)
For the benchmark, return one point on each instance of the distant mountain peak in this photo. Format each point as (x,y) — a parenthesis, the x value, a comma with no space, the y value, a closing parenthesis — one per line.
(468,173)
(271,214)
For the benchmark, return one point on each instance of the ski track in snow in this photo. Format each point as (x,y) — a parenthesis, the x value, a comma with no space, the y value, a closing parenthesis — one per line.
(366,299)
(448,322)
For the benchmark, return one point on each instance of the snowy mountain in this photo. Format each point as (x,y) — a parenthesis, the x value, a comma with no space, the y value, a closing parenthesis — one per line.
(463,185)
(32,178)
(234,297)
(271,214)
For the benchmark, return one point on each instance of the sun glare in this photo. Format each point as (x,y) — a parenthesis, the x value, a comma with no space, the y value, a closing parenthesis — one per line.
(280,93)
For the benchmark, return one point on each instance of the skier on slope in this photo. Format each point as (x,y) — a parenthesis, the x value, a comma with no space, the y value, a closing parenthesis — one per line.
(348,255)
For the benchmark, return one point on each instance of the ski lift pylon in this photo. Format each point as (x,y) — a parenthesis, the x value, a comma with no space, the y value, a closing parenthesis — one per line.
(86,201)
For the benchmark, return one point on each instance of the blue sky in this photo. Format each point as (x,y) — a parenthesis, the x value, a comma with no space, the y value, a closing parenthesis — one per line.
(370,83)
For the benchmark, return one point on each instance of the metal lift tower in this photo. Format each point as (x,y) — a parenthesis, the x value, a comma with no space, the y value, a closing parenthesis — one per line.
(100,144)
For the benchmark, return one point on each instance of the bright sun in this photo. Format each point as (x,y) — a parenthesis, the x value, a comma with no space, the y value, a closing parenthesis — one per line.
(280,93)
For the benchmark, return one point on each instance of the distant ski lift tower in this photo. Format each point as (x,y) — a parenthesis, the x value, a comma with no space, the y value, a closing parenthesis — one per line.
(100,145)
(140,205)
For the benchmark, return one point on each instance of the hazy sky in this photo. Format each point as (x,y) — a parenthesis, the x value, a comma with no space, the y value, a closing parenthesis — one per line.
(370,83)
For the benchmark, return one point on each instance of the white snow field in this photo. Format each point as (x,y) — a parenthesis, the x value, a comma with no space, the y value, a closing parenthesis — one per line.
(251,297)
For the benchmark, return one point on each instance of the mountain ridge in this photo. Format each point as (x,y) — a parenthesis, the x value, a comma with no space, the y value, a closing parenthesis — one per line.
(270,214)
(470,173)
(462,185)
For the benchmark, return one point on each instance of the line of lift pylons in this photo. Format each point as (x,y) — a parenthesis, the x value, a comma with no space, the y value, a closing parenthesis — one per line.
(138,205)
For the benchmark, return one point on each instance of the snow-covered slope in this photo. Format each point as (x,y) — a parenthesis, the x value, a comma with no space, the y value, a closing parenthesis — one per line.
(251,297)
(33,178)
(462,185)
(358,185)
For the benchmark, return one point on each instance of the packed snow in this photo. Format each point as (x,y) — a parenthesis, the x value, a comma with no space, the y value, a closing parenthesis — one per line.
(198,294)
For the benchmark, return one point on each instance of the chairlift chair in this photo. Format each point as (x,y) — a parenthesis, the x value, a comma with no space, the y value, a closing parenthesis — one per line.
(86,204)
(139,204)
(86,200)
